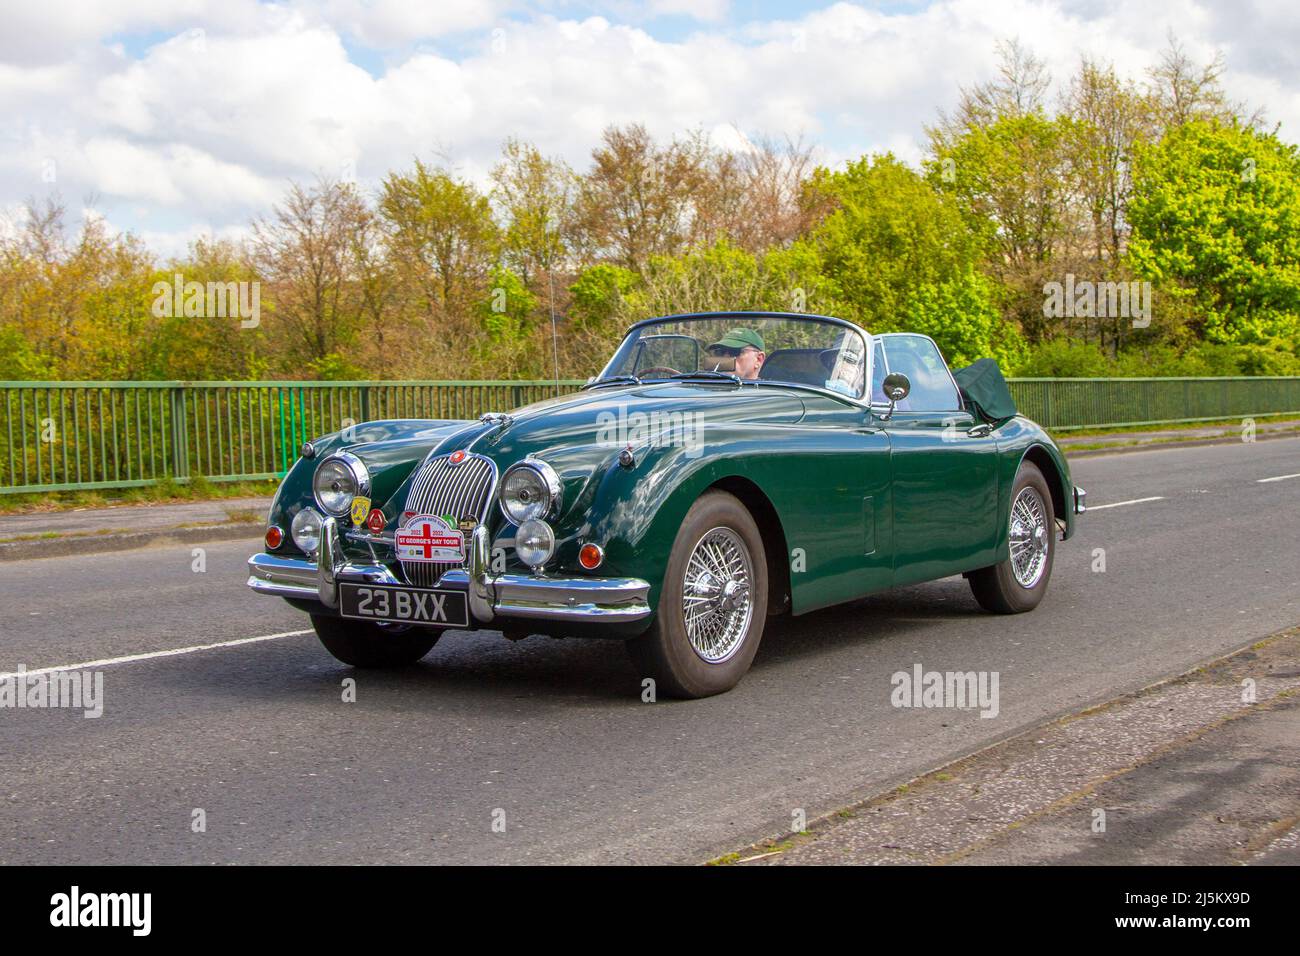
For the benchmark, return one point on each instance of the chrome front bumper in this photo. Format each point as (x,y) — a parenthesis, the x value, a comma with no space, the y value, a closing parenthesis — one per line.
(491,596)
(1080,500)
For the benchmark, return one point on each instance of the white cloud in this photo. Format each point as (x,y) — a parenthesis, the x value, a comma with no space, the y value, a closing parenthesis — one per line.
(231,100)
(711,10)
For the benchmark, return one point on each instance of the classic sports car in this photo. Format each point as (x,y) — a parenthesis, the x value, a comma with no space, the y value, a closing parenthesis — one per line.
(722,468)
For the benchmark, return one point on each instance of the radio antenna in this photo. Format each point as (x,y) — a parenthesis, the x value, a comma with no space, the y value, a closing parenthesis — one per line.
(555,337)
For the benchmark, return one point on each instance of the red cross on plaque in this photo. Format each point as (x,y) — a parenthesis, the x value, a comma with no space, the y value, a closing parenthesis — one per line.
(424,541)
(427,539)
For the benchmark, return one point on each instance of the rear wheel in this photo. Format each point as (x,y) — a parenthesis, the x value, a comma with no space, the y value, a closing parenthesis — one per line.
(1019,583)
(713,603)
(370,644)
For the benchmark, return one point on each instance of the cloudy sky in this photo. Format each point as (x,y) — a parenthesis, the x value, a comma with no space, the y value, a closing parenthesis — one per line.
(174,118)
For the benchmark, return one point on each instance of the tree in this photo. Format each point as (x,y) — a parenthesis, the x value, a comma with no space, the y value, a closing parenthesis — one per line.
(534,197)
(80,302)
(443,239)
(183,347)
(900,256)
(1020,89)
(1110,116)
(1184,91)
(755,197)
(636,200)
(712,278)
(304,253)
(1216,219)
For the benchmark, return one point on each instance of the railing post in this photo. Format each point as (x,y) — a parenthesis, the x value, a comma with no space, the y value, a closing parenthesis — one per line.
(180,464)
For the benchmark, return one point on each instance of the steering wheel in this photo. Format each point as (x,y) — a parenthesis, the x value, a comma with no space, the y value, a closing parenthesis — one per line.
(664,369)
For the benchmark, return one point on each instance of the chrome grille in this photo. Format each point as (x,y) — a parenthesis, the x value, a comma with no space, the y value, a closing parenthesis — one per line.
(441,488)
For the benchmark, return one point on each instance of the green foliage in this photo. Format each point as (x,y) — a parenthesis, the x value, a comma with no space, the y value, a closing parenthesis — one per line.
(1062,358)
(334,367)
(597,295)
(506,318)
(890,234)
(962,317)
(1216,211)
(715,277)
(1009,182)
(897,255)
(19,361)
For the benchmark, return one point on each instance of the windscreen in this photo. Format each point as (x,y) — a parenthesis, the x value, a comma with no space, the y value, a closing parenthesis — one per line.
(801,351)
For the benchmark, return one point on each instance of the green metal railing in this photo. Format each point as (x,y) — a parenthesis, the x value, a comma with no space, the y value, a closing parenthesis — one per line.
(1065,404)
(59,436)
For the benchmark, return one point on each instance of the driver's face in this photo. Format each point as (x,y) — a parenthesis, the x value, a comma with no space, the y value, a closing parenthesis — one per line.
(748,362)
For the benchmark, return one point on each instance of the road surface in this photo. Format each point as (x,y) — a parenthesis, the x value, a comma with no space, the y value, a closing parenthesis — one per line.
(551,738)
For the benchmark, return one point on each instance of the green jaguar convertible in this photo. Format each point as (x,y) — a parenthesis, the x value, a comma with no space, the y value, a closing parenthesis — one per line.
(721,469)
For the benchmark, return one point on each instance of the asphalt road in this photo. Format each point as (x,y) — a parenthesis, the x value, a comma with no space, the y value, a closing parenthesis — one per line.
(552,737)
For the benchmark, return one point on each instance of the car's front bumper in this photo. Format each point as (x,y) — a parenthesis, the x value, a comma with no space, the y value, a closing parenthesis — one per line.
(1080,500)
(491,597)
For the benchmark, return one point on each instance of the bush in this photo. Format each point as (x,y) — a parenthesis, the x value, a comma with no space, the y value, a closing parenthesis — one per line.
(1062,358)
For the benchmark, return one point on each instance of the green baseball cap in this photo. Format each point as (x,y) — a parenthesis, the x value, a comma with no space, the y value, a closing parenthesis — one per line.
(739,339)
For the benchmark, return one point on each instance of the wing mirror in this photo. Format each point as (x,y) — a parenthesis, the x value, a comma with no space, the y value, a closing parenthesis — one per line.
(896,386)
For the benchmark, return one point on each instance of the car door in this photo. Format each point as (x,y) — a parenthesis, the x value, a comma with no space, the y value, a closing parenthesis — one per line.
(944,465)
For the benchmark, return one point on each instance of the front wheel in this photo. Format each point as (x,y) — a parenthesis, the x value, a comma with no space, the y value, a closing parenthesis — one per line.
(712,605)
(370,644)
(1019,583)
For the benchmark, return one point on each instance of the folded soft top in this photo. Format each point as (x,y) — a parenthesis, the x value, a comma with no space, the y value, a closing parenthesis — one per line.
(985,390)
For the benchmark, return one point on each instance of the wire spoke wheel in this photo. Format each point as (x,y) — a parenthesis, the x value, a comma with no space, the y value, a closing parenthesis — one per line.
(717,598)
(1028,536)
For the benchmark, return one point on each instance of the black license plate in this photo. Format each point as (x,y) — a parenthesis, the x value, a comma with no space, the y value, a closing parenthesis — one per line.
(401,605)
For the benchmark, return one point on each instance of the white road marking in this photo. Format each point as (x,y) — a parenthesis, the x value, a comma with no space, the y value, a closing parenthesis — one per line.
(1260,481)
(1121,504)
(151,655)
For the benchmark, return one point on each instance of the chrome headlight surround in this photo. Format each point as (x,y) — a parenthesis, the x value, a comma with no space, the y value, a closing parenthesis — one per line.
(342,465)
(529,490)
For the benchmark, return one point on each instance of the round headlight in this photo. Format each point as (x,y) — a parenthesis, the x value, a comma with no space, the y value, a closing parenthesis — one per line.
(306,530)
(530,489)
(338,480)
(534,543)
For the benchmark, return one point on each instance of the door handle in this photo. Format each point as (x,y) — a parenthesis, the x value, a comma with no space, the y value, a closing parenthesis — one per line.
(980,431)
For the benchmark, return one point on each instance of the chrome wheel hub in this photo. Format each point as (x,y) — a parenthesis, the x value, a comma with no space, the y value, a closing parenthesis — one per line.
(1029,539)
(716,602)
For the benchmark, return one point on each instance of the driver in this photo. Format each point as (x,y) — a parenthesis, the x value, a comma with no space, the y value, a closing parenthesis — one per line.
(745,347)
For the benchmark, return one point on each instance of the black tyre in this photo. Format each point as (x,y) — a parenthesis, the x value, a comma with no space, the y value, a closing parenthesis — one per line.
(713,603)
(365,644)
(1019,583)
